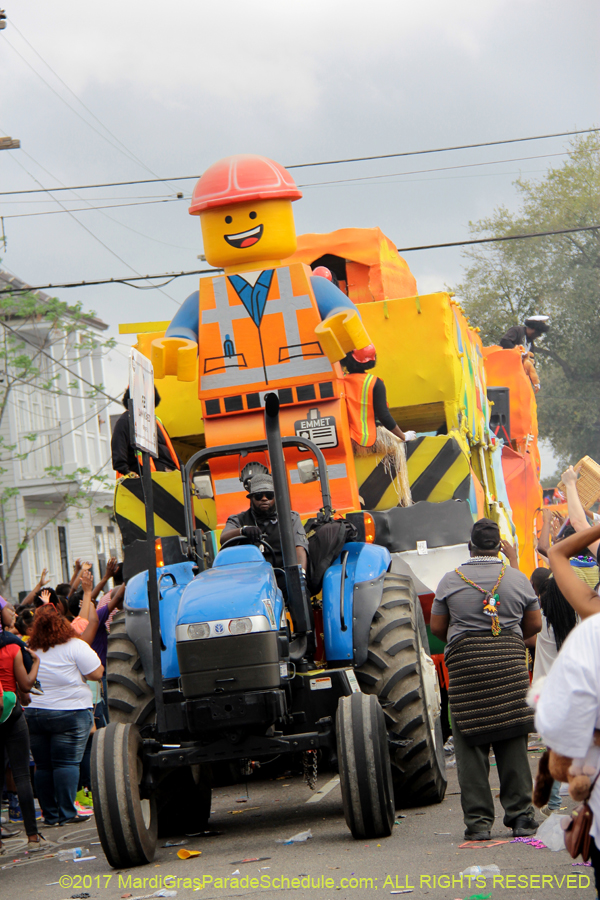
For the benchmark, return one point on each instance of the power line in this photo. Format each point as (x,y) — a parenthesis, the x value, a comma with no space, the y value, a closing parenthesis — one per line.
(493,162)
(23,337)
(506,237)
(125,151)
(81,225)
(308,184)
(54,212)
(540,137)
(332,162)
(171,276)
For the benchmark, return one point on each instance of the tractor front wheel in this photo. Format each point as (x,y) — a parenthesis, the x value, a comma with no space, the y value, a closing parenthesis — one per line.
(127,822)
(364,764)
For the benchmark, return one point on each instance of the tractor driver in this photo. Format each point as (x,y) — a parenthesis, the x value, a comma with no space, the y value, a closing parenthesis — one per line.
(260,520)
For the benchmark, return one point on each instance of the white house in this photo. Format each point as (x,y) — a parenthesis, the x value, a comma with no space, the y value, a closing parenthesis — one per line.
(72,432)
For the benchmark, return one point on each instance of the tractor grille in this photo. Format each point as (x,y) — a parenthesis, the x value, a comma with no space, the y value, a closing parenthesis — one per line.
(244,662)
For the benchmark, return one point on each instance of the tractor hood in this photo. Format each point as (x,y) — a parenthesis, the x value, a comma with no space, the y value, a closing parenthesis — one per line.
(240,584)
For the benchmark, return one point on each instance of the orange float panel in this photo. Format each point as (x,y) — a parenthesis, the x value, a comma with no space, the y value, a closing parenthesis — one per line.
(300,420)
(257,333)
(526,498)
(375,269)
(504,368)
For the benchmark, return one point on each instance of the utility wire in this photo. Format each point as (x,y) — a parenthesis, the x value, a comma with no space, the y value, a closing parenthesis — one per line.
(493,162)
(23,337)
(308,184)
(125,151)
(54,212)
(506,237)
(75,219)
(173,275)
(332,162)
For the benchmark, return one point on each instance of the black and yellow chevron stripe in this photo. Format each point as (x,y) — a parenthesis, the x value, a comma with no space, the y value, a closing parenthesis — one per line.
(169,516)
(438,469)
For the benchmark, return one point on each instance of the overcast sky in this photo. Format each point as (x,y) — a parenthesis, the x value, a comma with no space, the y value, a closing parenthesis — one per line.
(180,85)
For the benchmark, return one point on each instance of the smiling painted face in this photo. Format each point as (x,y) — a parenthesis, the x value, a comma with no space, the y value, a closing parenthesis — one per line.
(258,234)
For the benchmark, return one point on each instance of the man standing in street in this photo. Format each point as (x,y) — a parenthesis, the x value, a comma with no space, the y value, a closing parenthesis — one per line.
(485,610)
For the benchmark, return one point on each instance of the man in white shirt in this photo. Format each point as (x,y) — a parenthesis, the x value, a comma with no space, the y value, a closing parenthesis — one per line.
(569,707)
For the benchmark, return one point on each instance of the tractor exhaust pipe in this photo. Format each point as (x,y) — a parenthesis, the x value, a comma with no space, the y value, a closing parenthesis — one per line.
(297,598)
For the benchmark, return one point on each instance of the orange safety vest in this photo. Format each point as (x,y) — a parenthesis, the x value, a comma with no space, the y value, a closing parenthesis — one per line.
(361,415)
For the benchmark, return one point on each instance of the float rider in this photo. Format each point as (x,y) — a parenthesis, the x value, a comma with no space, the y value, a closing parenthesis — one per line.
(126,460)
(525,335)
(366,399)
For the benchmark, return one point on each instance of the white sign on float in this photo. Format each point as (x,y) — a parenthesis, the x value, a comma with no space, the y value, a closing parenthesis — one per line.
(141,391)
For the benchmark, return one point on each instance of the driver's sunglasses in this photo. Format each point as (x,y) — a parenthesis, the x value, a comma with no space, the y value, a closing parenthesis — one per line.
(266,495)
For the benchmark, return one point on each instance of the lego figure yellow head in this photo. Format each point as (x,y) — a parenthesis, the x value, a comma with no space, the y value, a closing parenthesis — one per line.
(245,208)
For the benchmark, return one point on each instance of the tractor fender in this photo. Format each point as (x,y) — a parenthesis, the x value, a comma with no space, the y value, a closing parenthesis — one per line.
(366,600)
(172,582)
(346,625)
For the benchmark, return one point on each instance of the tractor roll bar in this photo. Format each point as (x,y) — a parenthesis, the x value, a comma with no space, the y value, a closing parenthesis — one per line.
(249,447)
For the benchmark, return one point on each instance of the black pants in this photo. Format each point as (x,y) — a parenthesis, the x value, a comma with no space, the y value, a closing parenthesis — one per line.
(473,769)
(14,737)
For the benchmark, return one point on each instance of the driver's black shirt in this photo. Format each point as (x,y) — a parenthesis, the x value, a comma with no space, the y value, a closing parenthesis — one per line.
(270,529)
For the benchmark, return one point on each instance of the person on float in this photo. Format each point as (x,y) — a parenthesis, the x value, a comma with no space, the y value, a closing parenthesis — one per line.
(366,400)
(126,459)
(525,335)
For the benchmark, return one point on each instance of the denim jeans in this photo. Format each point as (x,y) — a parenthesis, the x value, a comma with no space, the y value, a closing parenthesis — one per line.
(554,801)
(58,739)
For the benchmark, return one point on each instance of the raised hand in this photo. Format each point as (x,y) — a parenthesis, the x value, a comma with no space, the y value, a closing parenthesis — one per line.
(45,596)
(43,578)
(87,580)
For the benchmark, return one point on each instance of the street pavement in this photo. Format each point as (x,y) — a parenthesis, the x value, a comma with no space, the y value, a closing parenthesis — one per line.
(422,856)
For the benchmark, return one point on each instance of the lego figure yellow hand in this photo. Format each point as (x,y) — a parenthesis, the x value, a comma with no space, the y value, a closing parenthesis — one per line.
(174,356)
(341,333)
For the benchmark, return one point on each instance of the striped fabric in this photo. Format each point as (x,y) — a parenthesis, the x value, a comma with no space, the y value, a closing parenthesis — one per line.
(488,685)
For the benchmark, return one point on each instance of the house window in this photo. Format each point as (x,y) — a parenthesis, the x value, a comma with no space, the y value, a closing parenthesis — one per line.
(64,556)
(101,551)
(45,554)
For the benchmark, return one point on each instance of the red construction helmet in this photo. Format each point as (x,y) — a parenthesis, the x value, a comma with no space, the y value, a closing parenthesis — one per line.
(365,354)
(237,179)
(324,272)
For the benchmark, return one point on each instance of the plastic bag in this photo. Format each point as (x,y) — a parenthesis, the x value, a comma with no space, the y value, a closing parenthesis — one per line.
(297,838)
(551,832)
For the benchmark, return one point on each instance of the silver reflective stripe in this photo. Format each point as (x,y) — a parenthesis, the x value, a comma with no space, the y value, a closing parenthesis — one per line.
(338,470)
(228,486)
(288,305)
(220,627)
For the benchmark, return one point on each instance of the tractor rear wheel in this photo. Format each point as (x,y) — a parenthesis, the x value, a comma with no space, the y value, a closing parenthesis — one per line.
(129,697)
(127,823)
(399,671)
(364,764)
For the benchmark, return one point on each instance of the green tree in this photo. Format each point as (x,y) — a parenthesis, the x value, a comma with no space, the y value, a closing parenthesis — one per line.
(42,340)
(557,276)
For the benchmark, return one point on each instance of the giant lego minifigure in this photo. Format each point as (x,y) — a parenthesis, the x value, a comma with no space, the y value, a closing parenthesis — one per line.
(263,325)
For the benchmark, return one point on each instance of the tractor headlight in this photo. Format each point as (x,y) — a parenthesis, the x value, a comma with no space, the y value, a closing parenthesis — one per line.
(240,626)
(199,631)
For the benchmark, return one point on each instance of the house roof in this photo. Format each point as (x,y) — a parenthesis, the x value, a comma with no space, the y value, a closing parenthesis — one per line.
(12,281)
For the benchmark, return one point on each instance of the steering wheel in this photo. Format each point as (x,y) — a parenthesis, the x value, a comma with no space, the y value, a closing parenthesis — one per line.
(242,539)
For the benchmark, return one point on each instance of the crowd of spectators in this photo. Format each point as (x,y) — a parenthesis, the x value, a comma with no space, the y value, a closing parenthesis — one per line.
(53,696)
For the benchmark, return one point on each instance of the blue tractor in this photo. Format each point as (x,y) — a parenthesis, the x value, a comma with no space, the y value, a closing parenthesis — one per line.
(222,669)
